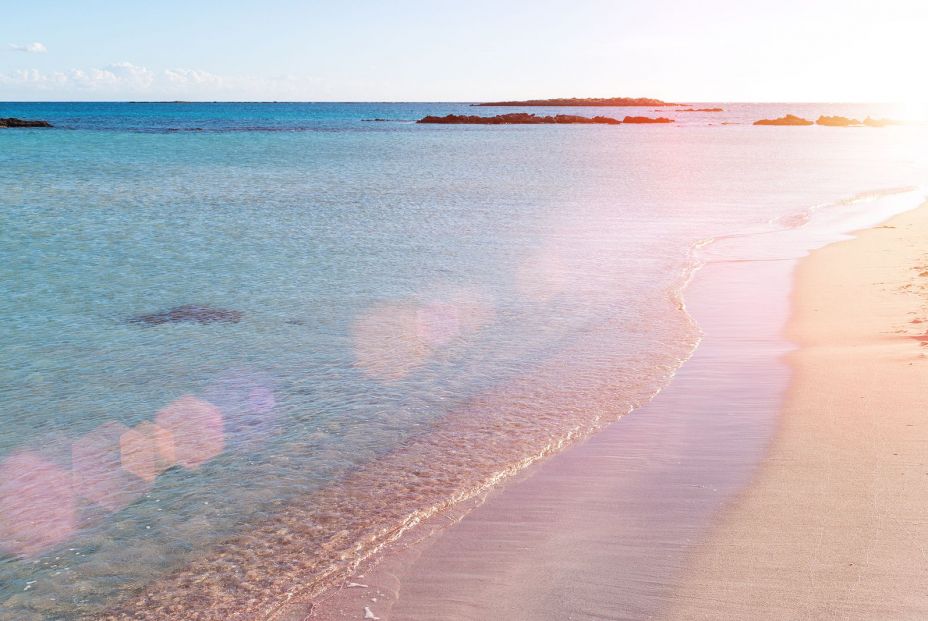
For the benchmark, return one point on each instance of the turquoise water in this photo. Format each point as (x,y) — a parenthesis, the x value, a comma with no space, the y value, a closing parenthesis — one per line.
(419,310)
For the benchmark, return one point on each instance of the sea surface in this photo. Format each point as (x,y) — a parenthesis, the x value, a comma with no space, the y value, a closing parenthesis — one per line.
(376,319)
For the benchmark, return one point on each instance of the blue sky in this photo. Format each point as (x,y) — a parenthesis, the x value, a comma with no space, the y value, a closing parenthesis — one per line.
(710,50)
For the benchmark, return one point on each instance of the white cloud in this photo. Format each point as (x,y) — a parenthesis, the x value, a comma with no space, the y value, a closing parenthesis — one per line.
(124,80)
(193,76)
(31,48)
(131,75)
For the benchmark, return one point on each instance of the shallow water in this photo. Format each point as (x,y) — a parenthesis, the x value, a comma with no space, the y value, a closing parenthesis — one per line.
(422,309)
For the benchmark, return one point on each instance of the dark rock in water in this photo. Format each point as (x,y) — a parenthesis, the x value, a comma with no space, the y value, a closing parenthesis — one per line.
(374,120)
(646,119)
(789,119)
(190,312)
(880,122)
(700,110)
(837,121)
(517,118)
(596,120)
(11,122)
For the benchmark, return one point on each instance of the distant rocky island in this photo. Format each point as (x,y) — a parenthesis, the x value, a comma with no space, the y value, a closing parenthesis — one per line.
(837,121)
(843,121)
(828,121)
(789,119)
(581,102)
(646,119)
(525,118)
(517,118)
(881,122)
(12,122)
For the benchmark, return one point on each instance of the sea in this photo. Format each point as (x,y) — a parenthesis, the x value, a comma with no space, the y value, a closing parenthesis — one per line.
(246,345)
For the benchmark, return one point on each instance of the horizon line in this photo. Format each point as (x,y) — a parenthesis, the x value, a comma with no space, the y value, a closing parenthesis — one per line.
(422,101)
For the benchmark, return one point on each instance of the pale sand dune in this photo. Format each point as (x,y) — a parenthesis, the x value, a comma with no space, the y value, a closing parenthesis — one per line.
(835,525)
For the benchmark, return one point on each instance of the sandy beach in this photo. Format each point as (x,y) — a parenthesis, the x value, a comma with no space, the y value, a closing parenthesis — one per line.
(488,312)
(833,526)
(814,512)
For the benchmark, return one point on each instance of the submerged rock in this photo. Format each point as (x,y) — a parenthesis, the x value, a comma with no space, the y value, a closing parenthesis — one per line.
(789,119)
(836,121)
(13,122)
(646,119)
(190,312)
(517,118)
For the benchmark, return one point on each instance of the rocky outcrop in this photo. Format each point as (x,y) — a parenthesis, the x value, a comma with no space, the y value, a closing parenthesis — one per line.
(701,110)
(190,313)
(836,121)
(12,122)
(789,119)
(517,118)
(581,102)
(880,122)
(646,119)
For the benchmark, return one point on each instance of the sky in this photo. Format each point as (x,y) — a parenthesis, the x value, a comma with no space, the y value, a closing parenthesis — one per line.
(469,50)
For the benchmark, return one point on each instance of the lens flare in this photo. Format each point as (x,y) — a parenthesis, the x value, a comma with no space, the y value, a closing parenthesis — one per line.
(196,430)
(438,323)
(386,341)
(147,450)
(96,469)
(37,504)
(392,338)
(543,275)
(248,405)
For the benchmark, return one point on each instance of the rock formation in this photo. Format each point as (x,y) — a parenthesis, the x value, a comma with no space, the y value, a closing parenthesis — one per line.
(837,121)
(880,122)
(12,122)
(646,119)
(588,102)
(192,313)
(789,119)
(517,118)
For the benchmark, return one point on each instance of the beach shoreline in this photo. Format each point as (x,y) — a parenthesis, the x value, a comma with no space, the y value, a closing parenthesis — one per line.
(833,524)
(605,528)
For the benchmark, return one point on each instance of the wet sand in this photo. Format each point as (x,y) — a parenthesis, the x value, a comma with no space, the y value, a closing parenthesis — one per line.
(602,529)
(835,525)
(687,509)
